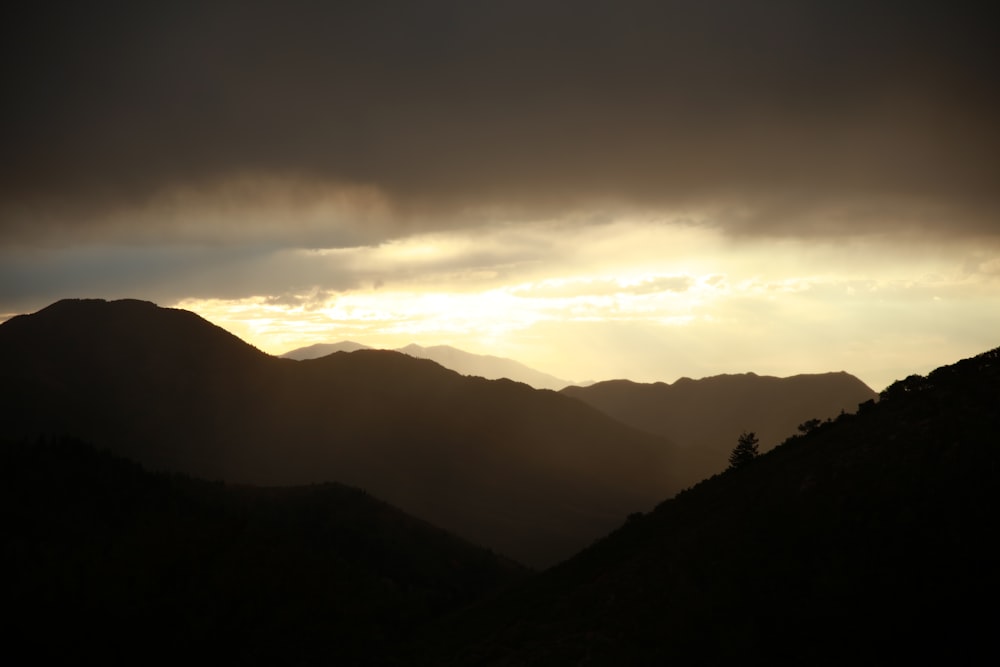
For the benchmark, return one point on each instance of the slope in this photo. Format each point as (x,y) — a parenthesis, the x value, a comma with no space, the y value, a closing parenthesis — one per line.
(869,540)
(484,365)
(460,361)
(107,562)
(532,474)
(710,413)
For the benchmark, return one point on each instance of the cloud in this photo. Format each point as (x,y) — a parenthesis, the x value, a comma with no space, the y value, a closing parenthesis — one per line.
(32,278)
(622,299)
(776,118)
(247,209)
(266,265)
(568,288)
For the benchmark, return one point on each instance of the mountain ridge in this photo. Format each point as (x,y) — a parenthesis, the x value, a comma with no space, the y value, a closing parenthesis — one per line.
(710,413)
(866,538)
(466,363)
(322,349)
(181,567)
(532,474)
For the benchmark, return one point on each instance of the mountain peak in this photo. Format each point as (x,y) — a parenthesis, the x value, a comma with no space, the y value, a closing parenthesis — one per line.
(123,327)
(472,455)
(462,362)
(322,349)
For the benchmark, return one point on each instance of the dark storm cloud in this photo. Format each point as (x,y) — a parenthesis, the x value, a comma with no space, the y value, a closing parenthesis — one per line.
(779,117)
(164,274)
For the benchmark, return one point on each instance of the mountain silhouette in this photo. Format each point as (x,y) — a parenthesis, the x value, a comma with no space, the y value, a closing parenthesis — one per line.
(323,349)
(532,474)
(484,365)
(465,363)
(710,413)
(870,539)
(106,562)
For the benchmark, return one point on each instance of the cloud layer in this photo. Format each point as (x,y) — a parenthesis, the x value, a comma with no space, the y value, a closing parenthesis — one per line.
(627,188)
(381,119)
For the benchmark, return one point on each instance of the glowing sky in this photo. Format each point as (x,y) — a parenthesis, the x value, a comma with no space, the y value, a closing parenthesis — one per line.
(597,189)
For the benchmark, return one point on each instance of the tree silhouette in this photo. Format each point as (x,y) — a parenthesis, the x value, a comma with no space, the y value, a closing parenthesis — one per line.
(809,425)
(745,450)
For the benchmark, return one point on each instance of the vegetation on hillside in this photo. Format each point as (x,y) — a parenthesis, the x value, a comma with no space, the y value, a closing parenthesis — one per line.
(704,416)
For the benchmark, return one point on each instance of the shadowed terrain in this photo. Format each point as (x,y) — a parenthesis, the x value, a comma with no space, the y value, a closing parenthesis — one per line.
(532,474)
(868,540)
(108,563)
(709,413)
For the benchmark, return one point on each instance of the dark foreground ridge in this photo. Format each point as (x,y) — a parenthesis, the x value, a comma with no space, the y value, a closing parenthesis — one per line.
(869,540)
(107,563)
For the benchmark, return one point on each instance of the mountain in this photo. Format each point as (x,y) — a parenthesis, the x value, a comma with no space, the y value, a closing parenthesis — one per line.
(323,349)
(532,474)
(106,562)
(871,540)
(465,363)
(483,365)
(710,414)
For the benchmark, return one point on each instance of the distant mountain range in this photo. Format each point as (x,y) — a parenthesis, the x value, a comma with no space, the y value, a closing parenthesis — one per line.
(532,474)
(709,414)
(322,349)
(466,363)
(166,388)
(868,537)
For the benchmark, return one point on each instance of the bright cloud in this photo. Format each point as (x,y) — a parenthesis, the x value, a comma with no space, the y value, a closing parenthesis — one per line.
(651,302)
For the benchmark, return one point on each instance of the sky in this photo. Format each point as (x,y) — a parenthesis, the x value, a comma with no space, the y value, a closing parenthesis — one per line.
(600,190)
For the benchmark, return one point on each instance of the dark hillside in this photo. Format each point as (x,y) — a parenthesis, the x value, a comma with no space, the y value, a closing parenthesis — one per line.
(491,460)
(154,380)
(871,540)
(531,474)
(708,414)
(105,562)
(483,365)
(464,363)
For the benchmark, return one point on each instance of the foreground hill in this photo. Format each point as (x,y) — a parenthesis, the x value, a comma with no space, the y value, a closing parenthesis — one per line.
(869,540)
(532,474)
(466,363)
(105,562)
(709,414)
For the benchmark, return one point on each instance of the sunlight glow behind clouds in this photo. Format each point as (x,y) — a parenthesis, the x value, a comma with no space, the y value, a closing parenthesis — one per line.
(635,189)
(650,302)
